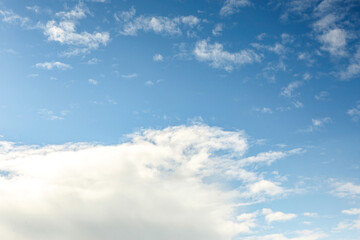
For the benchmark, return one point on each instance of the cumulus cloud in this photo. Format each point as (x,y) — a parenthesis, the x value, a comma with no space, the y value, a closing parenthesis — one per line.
(271,216)
(151,185)
(92,81)
(129,76)
(233,6)
(158,58)
(352,211)
(219,58)
(53,65)
(65,32)
(131,25)
(334,41)
(353,69)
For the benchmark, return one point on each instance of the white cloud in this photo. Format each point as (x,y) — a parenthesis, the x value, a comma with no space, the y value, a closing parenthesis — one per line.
(233,6)
(304,56)
(263,188)
(348,190)
(217,29)
(93,81)
(271,216)
(219,58)
(151,185)
(158,58)
(79,11)
(264,110)
(11,17)
(353,69)
(129,76)
(317,124)
(93,61)
(334,41)
(289,89)
(322,96)
(53,65)
(354,113)
(310,214)
(131,25)
(277,48)
(352,211)
(65,32)
(299,235)
(35,8)
(268,157)
(50,115)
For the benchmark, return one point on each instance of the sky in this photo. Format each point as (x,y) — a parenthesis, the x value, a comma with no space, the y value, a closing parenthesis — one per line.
(179,119)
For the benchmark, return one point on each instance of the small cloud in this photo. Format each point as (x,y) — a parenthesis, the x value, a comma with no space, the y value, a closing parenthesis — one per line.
(53,65)
(322,96)
(264,110)
(93,81)
(219,58)
(158,58)
(233,6)
(289,89)
(218,29)
(352,211)
(261,36)
(93,61)
(310,214)
(317,124)
(354,113)
(271,216)
(129,76)
(33,75)
(346,190)
(149,83)
(50,115)
(110,100)
(35,8)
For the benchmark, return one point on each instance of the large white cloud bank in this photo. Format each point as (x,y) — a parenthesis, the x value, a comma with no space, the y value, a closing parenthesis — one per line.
(159,184)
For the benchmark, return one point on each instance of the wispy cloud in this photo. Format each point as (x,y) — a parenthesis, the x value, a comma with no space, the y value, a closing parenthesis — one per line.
(129,76)
(354,113)
(217,29)
(11,17)
(131,25)
(288,91)
(92,81)
(50,115)
(346,189)
(53,65)
(233,6)
(219,58)
(317,124)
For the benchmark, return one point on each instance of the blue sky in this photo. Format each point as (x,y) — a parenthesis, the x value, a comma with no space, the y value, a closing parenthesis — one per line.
(223,119)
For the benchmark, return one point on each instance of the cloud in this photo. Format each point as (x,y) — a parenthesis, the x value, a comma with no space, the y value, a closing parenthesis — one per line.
(129,76)
(354,113)
(322,96)
(158,58)
(317,123)
(298,235)
(217,29)
(353,69)
(131,25)
(152,185)
(352,211)
(11,17)
(346,190)
(50,115)
(271,216)
(53,65)
(65,32)
(334,41)
(93,81)
(277,48)
(289,89)
(233,6)
(93,61)
(35,8)
(219,58)
(264,110)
